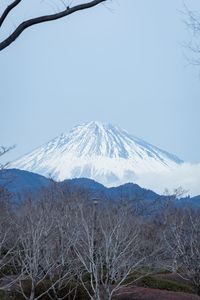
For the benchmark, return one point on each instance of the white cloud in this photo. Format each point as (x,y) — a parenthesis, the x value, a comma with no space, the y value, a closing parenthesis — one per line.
(187,176)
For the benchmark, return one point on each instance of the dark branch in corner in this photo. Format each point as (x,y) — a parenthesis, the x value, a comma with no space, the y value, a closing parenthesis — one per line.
(4,150)
(8,10)
(24,25)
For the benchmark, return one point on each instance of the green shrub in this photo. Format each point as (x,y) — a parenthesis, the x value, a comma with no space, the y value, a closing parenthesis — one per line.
(2,295)
(7,270)
(163,284)
(163,271)
(80,292)
(134,277)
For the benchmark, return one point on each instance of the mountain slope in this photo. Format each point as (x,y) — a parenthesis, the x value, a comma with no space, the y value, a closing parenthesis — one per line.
(98,151)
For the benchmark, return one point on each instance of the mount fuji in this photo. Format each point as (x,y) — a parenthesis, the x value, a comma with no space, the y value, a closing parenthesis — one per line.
(98,151)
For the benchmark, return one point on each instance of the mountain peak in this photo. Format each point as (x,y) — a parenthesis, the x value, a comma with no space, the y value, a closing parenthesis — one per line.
(95,124)
(94,127)
(99,151)
(96,139)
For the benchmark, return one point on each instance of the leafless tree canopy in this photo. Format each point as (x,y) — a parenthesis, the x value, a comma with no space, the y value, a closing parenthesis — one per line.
(182,240)
(56,242)
(192,22)
(3,151)
(41,19)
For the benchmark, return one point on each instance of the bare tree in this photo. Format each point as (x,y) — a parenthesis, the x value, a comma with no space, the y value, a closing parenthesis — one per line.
(41,19)
(192,21)
(3,151)
(110,247)
(46,226)
(63,278)
(182,240)
(33,260)
(7,240)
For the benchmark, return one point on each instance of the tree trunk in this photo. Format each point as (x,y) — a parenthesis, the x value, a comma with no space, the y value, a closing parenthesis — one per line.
(198,290)
(32,295)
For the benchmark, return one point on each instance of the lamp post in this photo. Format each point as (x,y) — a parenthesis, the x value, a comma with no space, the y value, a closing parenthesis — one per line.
(95,204)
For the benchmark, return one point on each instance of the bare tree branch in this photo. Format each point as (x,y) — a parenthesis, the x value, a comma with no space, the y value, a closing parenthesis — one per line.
(4,150)
(24,25)
(8,10)
(192,22)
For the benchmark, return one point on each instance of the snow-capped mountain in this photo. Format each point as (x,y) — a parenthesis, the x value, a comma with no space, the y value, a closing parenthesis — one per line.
(102,152)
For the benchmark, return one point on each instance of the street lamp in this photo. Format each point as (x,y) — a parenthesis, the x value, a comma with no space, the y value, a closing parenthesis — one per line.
(95,203)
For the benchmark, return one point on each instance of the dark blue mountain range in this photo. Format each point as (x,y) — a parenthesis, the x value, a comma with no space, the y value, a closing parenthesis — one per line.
(19,183)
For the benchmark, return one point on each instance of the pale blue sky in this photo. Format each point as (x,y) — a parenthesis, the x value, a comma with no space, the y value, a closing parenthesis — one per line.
(124,66)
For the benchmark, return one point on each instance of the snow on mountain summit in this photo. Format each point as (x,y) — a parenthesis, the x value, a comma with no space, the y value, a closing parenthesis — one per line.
(102,152)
